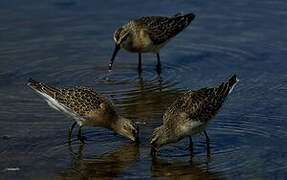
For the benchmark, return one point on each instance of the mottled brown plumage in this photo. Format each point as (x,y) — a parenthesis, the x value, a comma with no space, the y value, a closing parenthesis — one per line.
(161,29)
(87,107)
(149,34)
(190,113)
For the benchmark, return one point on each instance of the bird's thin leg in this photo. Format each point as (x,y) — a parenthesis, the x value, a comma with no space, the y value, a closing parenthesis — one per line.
(140,63)
(207,143)
(207,138)
(153,152)
(71,130)
(208,150)
(80,137)
(158,66)
(190,145)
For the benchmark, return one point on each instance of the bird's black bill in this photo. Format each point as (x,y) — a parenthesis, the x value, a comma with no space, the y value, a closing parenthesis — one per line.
(117,48)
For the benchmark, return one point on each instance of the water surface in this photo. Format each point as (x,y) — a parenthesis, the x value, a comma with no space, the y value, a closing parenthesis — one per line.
(68,43)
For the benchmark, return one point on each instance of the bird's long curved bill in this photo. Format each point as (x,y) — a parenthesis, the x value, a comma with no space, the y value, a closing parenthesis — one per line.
(117,48)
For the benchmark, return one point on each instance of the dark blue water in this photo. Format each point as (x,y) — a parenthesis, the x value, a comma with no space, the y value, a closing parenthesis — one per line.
(68,43)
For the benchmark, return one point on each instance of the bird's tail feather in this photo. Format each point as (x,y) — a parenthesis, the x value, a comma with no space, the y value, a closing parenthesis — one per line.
(189,17)
(232,82)
(226,87)
(182,21)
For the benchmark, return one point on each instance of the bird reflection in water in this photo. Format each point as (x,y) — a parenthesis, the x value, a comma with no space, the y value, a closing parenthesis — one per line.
(182,169)
(148,98)
(102,166)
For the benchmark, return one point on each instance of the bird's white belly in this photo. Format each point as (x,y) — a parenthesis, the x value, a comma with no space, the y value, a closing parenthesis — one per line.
(53,103)
(193,127)
(150,47)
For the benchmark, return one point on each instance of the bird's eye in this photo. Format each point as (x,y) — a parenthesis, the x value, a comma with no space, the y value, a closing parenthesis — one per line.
(126,128)
(125,37)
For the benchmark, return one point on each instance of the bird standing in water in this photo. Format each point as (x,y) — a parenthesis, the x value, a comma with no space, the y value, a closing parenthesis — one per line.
(87,108)
(148,34)
(189,114)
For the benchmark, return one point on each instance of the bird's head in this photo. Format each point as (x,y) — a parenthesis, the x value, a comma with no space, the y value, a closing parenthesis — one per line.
(121,37)
(158,138)
(127,128)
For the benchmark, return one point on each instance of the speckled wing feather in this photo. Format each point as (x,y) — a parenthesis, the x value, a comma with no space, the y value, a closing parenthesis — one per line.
(161,29)
(81,100)
(200,105)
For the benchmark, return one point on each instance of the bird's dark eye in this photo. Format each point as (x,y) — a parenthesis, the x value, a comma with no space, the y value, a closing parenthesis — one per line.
(126,128)
(125,37)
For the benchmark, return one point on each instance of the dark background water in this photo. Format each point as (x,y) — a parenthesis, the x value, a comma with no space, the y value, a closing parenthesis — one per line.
(67,43)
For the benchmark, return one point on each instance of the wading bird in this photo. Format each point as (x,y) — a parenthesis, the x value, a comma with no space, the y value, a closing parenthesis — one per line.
(149,34)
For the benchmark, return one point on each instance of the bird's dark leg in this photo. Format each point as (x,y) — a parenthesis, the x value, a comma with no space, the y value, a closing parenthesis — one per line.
(207,138)
(207,143)
(80,137)
(140,64)
(71,130)
(153,151)
(208,150)
(190,144)
(158,66)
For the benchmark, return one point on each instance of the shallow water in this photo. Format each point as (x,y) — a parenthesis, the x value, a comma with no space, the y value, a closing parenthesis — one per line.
(67,43)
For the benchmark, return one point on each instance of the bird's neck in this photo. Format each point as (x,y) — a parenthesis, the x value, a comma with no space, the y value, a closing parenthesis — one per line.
(163,135)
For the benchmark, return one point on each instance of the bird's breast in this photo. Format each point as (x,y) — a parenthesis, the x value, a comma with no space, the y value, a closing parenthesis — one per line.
(102,117)
(191,128)
(140,42)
